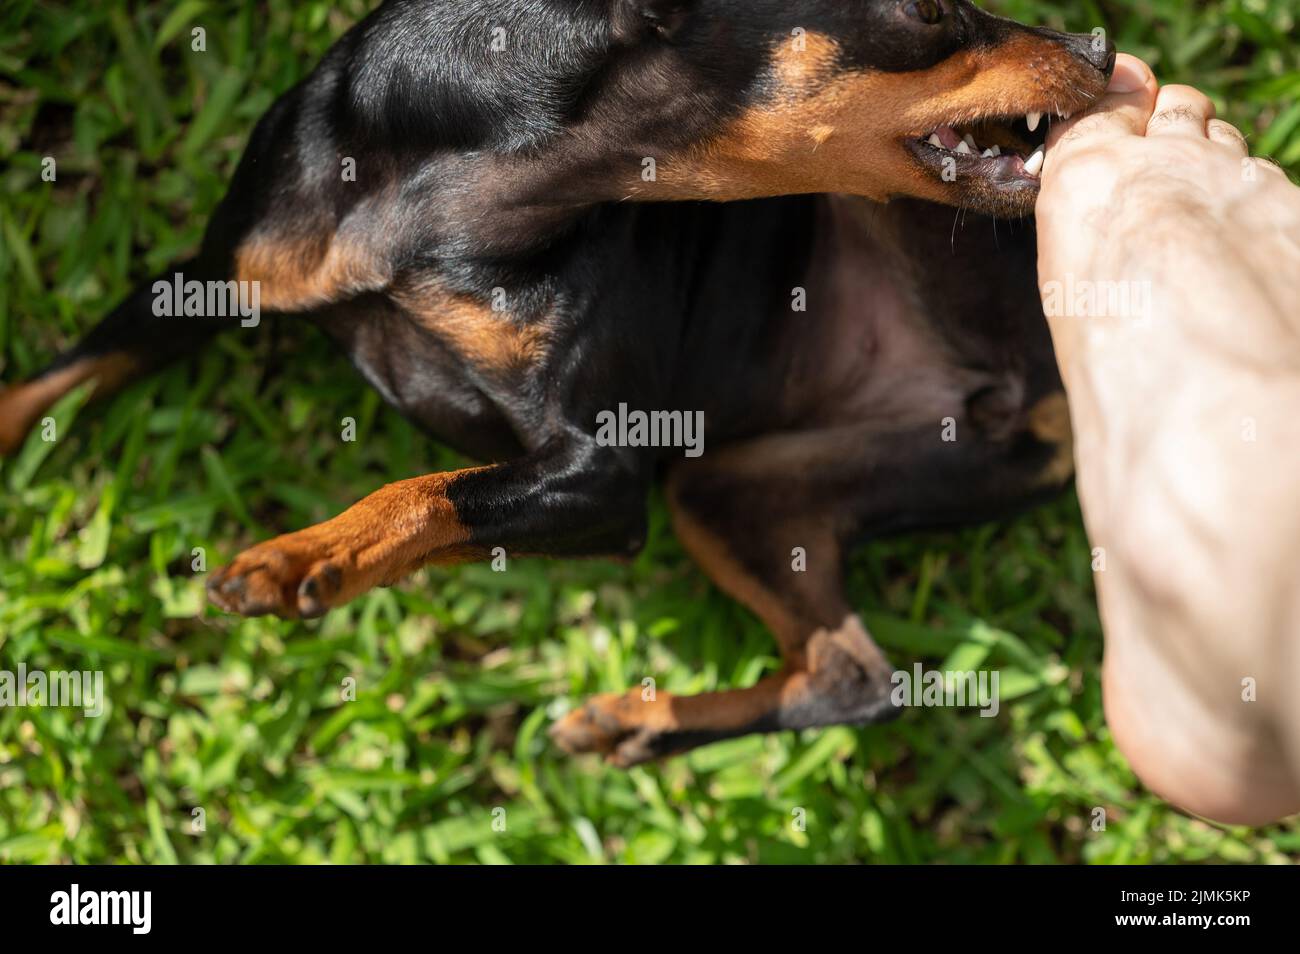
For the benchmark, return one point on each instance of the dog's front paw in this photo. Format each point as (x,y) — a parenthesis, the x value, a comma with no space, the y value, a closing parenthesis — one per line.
(293,576)
(625,728)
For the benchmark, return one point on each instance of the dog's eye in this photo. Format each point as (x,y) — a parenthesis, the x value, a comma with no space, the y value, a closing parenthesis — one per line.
(927,11)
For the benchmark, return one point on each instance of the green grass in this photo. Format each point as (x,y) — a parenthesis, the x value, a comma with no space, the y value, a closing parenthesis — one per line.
(458,673)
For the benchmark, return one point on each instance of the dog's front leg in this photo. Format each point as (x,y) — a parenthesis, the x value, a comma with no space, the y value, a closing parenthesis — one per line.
(571,499)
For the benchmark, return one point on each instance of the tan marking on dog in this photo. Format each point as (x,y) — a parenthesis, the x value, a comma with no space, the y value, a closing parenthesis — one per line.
(783,146)
(488,339)
(302,274)
(777,604)
(820,134)
(1049,421)
(803,63)
(712,554)
(22,406)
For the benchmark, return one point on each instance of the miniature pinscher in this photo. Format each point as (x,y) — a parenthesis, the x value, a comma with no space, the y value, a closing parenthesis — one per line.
(517,216)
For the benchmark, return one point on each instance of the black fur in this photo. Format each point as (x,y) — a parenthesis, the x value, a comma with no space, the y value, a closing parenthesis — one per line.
(660,306)
(487,172)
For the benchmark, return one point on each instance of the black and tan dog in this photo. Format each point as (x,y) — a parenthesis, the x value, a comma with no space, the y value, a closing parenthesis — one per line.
(561,206)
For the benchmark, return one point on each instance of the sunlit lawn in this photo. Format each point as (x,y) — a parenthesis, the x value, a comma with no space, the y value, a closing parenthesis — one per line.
(458,673)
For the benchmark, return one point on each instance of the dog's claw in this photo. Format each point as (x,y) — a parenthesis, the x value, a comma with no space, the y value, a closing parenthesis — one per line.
(231,592)
(318,589)
(229,587)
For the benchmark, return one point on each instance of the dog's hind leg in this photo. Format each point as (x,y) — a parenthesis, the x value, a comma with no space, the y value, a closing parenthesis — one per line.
(773,542)
(768,521)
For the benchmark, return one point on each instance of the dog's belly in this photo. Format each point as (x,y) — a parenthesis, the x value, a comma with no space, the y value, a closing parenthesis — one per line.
(873,354)
(911,394)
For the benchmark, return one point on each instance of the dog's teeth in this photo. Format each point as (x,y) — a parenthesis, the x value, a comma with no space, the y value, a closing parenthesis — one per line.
(996,150)
(988,154)
(1033,119)
(935,141)
(970,141)
(1034,164)
(962,149)
(1065,117)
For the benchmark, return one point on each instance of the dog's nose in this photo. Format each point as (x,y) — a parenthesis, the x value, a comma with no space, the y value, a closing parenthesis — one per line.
(1095,50)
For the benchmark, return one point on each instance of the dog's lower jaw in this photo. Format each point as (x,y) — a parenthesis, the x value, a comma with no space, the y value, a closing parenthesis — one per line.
(1007,197)
(1015,204)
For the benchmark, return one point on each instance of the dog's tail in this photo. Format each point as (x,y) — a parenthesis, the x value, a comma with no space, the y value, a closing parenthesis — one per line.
(144,332)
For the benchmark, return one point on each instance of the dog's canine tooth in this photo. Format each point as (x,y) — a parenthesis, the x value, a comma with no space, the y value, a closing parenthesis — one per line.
(1034,164)
(1033,119)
